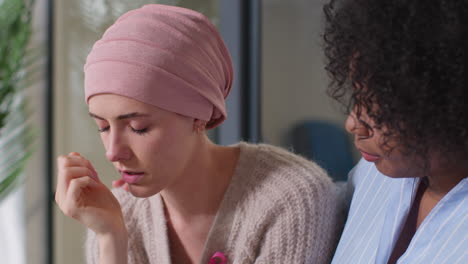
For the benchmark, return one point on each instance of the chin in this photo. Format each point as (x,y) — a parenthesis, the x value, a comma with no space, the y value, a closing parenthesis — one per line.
(142,191)
(388,173)
(396,171)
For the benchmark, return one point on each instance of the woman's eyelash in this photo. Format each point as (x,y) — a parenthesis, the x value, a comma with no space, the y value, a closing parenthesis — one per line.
(140,131)
(104,129)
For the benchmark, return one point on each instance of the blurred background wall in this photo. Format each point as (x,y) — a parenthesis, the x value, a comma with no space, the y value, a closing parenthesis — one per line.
(293,76)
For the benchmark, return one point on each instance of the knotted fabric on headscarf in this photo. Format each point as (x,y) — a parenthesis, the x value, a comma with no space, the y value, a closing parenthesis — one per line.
(166,56)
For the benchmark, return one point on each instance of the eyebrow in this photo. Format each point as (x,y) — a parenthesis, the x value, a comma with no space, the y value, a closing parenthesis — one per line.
(121,117)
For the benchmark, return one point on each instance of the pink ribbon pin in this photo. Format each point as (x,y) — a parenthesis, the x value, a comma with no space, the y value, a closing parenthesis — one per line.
(218,258)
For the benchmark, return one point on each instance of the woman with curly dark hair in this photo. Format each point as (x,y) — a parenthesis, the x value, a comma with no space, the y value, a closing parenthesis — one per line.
(401,69)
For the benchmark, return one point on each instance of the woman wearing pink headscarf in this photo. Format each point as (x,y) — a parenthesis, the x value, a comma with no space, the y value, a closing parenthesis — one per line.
(154,83)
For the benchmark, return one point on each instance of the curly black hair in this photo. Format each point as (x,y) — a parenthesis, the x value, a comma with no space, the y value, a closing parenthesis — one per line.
(410,59)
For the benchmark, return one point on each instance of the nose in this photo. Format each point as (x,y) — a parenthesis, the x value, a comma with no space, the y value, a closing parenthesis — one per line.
(117,149)
(350,124)
(355,127)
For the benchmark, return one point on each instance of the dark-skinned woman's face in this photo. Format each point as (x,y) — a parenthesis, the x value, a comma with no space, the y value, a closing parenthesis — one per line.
(387,156)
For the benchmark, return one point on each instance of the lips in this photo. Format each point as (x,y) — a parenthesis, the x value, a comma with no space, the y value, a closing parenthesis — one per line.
(131,177)
(369,157)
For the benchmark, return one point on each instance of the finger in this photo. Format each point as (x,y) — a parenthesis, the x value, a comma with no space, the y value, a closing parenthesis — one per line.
(71,161)
(66,175)
(75,200)
(64,162)
(118,183)
(89,165)
(77,186)
(61,180)
(75,159)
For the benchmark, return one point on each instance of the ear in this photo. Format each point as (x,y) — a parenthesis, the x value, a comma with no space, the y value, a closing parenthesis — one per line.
(199,126)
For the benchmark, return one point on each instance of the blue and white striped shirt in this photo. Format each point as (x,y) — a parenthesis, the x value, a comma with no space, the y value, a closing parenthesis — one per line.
(378,212)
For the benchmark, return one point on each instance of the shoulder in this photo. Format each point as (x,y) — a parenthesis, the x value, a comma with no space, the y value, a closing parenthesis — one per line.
(283,166)
(286,179)
(280,197)
(280,158)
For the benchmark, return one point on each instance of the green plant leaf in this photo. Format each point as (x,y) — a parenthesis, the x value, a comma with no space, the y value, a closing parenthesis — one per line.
(19,67)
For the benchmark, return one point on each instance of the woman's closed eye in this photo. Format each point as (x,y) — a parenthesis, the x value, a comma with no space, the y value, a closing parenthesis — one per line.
(139,131)
(135,130)
(103,129)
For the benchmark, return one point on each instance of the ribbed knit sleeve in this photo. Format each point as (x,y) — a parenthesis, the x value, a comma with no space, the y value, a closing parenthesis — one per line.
(91,248)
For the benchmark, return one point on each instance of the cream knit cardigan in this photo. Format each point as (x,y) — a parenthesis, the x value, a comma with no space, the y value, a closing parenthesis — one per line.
(278,208)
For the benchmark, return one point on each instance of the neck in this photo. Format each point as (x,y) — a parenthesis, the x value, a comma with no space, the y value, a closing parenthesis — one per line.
(200,189)
(442,179)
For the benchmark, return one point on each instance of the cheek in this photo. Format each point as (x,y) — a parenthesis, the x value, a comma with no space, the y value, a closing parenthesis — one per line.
(164,146)
(175,148)
(104,140)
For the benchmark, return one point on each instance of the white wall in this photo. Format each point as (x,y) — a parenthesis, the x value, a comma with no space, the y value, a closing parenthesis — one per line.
(71,127)
(294,79)
(35,185)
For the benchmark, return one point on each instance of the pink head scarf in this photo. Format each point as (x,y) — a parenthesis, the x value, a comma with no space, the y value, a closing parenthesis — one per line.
(166,56)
